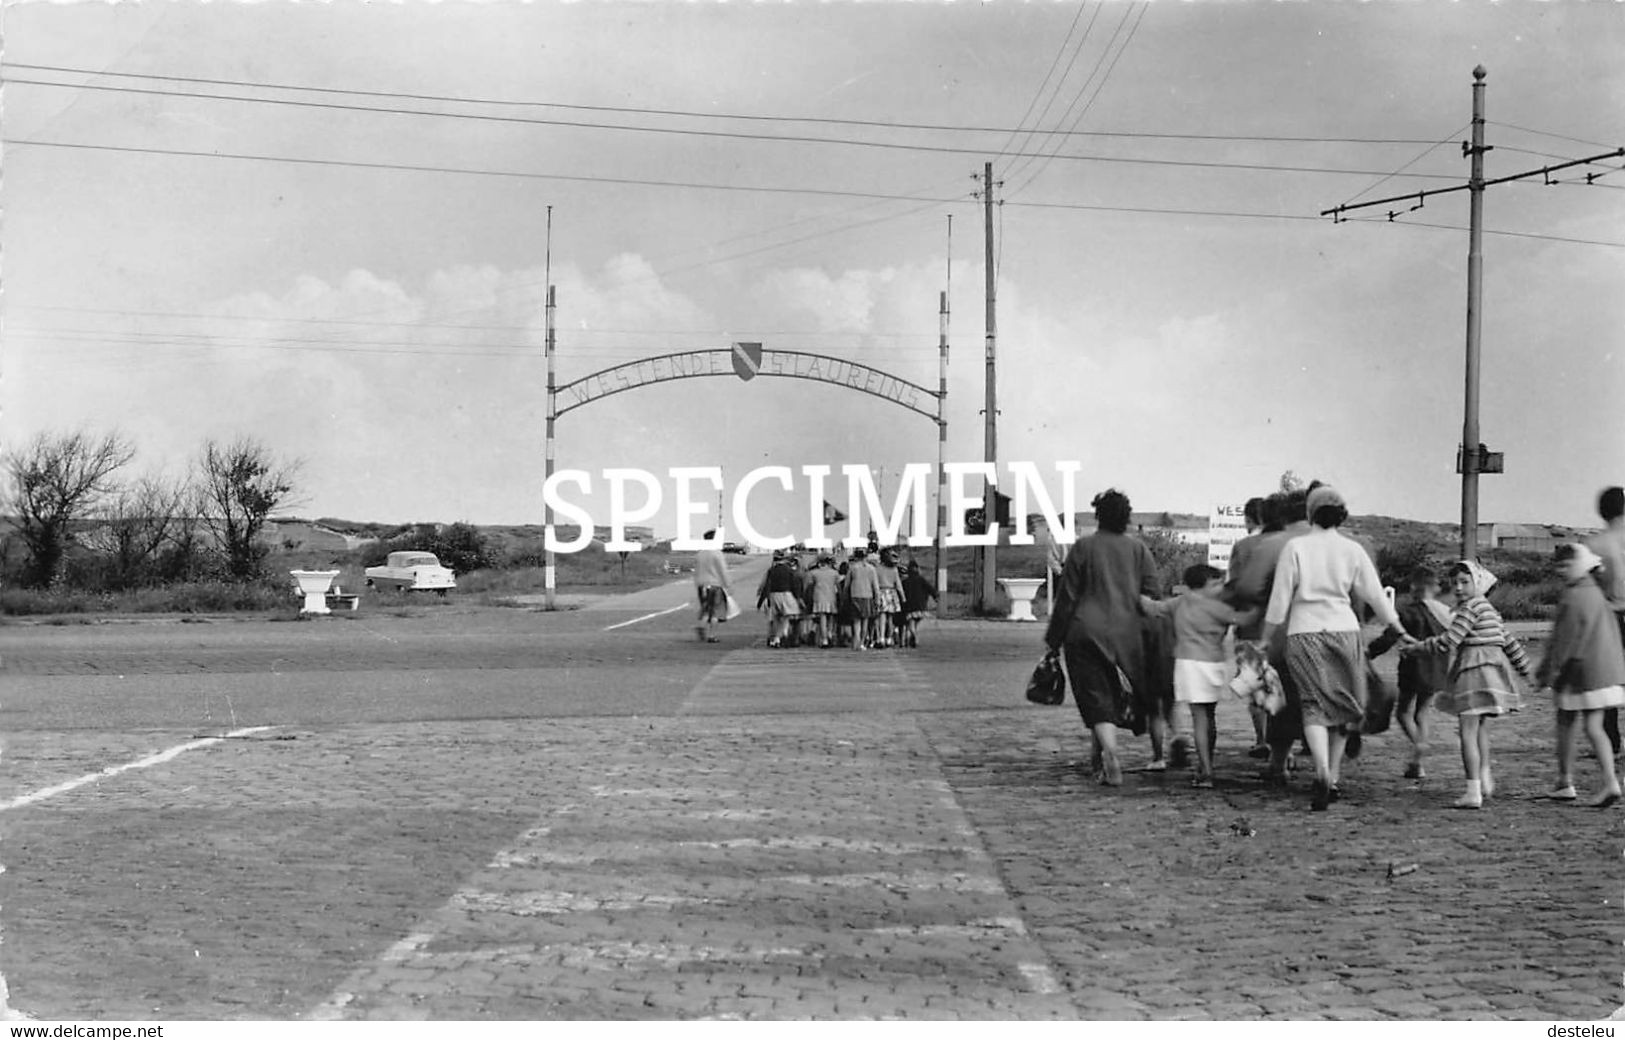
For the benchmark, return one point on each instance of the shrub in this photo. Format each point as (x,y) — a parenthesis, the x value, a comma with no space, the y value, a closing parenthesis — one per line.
(1528,602)
(1172,556)
(1397,559)
(460,546)
(199,597)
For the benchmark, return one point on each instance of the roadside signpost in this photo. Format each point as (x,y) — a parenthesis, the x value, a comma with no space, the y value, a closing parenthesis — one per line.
(1227,525)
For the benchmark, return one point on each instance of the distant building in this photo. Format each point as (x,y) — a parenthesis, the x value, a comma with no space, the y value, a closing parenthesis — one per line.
(1188,528)
(1522,537)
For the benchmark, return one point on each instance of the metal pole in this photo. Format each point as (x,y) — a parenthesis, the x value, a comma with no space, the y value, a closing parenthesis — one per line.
(549,570)
(942,450)
(990,446)
(1475,285)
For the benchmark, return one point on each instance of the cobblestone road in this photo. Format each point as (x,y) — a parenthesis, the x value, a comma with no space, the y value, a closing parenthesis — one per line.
(752,834)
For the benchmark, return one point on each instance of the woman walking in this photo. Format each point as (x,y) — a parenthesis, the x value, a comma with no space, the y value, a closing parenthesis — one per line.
(1096,619)
(1482,655)
(1317,580)
(1584,666)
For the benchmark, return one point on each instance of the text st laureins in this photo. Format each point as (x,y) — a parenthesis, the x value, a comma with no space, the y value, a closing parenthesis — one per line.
(693,490)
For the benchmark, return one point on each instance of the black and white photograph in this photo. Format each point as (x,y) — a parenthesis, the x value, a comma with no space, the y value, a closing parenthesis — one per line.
(1092,511)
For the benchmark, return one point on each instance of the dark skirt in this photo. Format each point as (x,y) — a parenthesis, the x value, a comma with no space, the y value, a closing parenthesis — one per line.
(713,602)
(1285,727)
(1329,670)
(1102,690)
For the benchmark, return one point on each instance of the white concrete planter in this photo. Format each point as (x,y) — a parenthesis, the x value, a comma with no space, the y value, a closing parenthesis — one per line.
(1022,592)
(315,585)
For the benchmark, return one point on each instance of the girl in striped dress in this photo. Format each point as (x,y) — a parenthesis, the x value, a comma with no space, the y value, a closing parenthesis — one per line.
(1483,656)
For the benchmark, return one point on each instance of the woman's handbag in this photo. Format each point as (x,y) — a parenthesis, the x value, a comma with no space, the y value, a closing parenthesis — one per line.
(1048,682)
(734,609)
(1379,702)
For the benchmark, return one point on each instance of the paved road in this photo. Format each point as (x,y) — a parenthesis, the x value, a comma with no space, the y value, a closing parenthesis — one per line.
(493,813)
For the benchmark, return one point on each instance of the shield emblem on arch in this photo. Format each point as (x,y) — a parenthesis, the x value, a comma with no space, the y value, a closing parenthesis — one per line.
(747,360)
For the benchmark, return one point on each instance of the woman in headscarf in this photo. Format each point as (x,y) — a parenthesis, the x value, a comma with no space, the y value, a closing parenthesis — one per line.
(1096,619)
(1482,657)
(1317,580)
(1584,667)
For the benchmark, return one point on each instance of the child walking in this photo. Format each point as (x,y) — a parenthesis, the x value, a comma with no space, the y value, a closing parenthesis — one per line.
(918,596)
(1421,676)
(825,595)
(1201,667)
(1482,656)
(888,598)
(1584,666)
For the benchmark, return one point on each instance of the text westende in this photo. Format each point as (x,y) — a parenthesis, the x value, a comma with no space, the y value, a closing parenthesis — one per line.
(862,501)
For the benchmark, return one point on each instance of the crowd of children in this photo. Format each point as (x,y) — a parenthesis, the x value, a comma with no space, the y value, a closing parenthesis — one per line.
(868,601)
(1459,659)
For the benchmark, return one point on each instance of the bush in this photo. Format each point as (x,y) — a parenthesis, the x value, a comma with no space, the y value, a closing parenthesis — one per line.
(1172,556)
(1396,560)
(1528,602)
(461,547)
(198,597)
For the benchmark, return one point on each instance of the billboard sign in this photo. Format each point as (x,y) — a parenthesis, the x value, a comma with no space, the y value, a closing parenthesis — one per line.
(1227,525)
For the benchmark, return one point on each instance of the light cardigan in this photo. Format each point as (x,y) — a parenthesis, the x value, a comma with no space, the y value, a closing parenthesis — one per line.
(1316,579)
(1584,652)
(710,569)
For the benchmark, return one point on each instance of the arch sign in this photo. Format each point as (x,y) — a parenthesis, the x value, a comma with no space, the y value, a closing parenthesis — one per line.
(747,361)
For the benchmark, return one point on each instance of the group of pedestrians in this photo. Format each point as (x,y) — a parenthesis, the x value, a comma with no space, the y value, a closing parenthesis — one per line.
(1293,610)
(867,601)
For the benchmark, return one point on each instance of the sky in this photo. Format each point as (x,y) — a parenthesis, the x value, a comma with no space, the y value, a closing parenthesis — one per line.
(342,250)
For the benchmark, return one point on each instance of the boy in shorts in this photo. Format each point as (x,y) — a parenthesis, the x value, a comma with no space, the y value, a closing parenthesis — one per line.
(1420,676)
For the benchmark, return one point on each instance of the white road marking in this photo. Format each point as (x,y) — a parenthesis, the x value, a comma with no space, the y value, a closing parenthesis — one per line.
(665,793)
(7,1012)
(977,928)
(1040,978)
(646,617)
(896,881)
(544,904)
(142,763)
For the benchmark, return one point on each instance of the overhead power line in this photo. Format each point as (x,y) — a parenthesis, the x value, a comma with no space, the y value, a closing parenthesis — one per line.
(1420,156)
(1544,133)
(1021,125)
(691,114)
(618,180)
(1138,12)
(568,330)
(963,200)
(1488,231)
(463,170)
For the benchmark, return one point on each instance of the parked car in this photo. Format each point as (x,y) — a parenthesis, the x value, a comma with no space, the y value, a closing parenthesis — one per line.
(733,547)
(412,571)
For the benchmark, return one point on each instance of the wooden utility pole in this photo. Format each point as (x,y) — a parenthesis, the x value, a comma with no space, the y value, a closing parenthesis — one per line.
(985,588)
(942,449)
(549,561)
